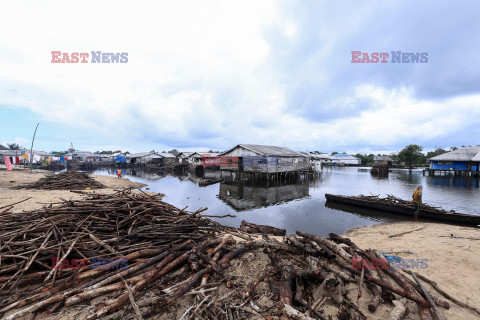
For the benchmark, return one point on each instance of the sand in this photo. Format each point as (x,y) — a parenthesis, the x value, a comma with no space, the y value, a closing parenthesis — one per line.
(38,198)
(453,261)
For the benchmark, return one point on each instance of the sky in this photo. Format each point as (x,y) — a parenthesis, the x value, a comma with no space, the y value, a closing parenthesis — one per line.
(207,75)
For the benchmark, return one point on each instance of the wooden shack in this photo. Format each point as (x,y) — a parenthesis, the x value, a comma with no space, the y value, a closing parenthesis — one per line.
(144,158)
(168,158)
(210,159)
(264,161)
(385,160)
(463,161)
(195,158)
(182,157)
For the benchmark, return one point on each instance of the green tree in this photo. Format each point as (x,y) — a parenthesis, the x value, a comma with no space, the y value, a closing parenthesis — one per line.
(2,147)
(175,152)
(366,159)
(436,152)
(394,158)
(13,146)
(411,154)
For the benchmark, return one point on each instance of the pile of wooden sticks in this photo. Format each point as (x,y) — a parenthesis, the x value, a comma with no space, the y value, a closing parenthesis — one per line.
(68,180)
(393,200)
(49,255)
(141,256)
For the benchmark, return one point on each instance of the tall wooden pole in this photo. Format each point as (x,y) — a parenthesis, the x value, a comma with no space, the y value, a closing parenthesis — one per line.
(31,149)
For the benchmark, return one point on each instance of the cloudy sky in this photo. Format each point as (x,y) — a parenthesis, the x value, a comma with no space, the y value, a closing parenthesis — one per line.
(211,74)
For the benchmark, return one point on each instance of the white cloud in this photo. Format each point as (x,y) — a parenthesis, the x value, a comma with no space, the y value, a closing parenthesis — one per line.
(198,76)
(21,141)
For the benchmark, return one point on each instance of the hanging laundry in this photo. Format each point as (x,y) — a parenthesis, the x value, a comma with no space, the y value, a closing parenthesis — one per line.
(48,160)
(8,164)
(62,159)
(25,156)
(17,158)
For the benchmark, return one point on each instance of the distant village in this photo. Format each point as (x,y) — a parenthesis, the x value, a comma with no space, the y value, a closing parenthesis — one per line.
(255,158)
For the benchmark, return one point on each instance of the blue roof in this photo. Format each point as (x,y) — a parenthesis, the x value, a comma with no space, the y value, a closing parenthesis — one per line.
(340,155)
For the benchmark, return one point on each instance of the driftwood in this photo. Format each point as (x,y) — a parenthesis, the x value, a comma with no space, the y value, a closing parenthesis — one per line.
(406,232)
(68,180)
(256,228)
(133,243)
(285,283)
(400,310)
(445,294)
(429,298)
(260,278)
(294,313)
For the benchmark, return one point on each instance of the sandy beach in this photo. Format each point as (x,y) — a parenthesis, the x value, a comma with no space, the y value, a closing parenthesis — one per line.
(451,252)
(38,198)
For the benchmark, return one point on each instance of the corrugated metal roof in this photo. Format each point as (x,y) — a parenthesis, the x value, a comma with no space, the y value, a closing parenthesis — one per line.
(141,154)
(268,150)
(382,158)
(343,156)
(186,154)
(195,154)
(209,154)
(476,157)
(461,154)
(321,156)
(166,155)
(24,151)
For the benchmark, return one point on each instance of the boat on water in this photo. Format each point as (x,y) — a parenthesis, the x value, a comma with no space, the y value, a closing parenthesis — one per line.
(405,209)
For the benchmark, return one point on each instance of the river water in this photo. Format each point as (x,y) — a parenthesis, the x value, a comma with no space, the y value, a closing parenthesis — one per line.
(302,205)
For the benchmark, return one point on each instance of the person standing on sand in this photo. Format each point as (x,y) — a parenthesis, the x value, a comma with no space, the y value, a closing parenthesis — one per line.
(417,200)
(119,173)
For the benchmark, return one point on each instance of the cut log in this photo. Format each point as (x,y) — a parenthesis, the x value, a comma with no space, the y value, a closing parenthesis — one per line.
(285,270)
(254,284)
(256,228)
(294,313)
(400,310)
(329,244)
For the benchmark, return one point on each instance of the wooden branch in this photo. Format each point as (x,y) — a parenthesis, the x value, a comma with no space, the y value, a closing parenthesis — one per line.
(429,298)
(445,294)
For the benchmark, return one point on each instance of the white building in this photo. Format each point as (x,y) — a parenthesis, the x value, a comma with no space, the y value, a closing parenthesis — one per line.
(344,159)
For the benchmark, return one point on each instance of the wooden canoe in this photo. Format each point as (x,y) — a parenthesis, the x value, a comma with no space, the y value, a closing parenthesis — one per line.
(406,211)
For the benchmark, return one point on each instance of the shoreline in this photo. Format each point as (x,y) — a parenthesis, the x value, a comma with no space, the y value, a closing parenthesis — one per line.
(38,198)
(453,261)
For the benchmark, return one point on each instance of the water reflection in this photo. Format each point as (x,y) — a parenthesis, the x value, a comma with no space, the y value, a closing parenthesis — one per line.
(302,205)
(454,181)
(372,214)
(241,196)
